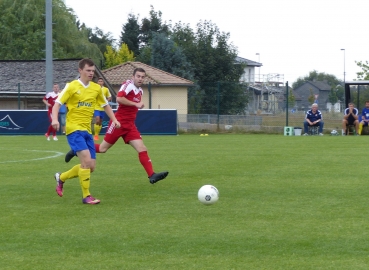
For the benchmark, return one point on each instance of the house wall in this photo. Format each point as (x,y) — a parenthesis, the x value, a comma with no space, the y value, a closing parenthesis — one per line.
(169,98)
(249,75)
(165,97)
(303,92)
(11,103)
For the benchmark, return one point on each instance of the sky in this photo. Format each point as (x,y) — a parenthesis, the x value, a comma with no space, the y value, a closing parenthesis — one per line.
(292,37)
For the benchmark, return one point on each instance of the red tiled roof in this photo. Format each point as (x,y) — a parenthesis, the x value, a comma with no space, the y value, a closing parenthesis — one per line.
(116,75)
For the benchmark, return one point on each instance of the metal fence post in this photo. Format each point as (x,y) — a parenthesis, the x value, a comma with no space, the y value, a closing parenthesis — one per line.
(218,103)
(18,96)
(149,89)
(286,104)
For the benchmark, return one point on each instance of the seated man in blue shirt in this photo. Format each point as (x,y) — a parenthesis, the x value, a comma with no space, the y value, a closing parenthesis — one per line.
(313,118)
(364,117)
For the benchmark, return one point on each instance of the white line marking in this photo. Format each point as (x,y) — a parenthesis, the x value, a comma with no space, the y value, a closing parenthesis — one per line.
(57,154)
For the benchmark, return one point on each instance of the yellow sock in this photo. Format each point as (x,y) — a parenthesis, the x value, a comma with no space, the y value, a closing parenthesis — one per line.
(360,128)
(72,173)
(84,180)
(97,129)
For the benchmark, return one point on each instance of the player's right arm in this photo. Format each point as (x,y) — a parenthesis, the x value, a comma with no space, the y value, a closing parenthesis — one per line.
(125,101)
(44,100)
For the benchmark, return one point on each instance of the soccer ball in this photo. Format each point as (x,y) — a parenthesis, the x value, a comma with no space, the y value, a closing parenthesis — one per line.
(208,194)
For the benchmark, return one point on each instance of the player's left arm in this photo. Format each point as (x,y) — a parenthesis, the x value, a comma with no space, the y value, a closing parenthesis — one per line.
(54,116)
(109,112)
(102,102)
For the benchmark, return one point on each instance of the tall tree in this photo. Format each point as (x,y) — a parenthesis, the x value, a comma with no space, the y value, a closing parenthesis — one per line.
(153,24)
(116,57)
(213,59)
(130,34)
(22,32)
(101,39)
(332,97)
(167,56)
(364,74)
(314,75)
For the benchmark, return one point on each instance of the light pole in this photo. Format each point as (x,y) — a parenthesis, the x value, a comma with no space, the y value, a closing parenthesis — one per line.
(259,66)
(344,65)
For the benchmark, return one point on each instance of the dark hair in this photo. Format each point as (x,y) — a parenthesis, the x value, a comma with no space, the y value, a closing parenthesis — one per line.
(139,70)
(85,61)
(100,78)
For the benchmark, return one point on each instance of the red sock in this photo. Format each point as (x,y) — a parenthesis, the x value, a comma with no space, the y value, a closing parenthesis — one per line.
(97,148)
(146,162)
(50,130)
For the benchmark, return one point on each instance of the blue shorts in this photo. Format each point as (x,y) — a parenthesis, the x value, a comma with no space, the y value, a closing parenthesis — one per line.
(82,140)
(101,114)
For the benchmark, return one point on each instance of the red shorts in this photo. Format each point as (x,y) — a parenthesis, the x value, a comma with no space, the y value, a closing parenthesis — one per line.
(128,131)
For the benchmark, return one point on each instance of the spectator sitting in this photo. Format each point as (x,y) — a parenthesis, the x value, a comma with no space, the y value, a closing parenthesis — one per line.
(350,118)
(313,118)
(364,117)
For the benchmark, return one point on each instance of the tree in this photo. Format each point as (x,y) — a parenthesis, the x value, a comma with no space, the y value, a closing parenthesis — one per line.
(22,32)
(116,57)
(332,97)
(101,39)
(153,24)
(291,98)
(311,98)
(364,74)
(167,56)
(130,34)
(317,76)
(213,59)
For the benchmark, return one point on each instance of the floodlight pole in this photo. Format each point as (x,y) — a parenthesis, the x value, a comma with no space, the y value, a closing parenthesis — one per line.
(259,66)
(344,65)
(344,72)
(49,45)
(286,104)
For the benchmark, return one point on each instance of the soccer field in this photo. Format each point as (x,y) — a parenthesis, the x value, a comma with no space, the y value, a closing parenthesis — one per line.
(285,203)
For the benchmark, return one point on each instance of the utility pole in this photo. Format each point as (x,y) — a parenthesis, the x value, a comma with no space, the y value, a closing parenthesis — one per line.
(49,45)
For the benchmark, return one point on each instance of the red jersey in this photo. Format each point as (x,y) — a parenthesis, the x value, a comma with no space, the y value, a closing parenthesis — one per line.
(50,97)
(132,93)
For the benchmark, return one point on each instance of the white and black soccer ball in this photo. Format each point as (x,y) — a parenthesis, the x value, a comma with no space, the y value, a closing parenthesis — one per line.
(334,133)
(208,194)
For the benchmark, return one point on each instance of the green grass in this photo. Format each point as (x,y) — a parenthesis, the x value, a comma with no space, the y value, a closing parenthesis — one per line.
(285,203)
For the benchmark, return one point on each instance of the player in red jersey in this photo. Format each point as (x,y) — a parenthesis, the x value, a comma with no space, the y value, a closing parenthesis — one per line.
(49,100)
(129,99)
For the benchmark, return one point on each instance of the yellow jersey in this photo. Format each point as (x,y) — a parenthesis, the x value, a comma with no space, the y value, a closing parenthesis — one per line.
(106,94)
(81,101)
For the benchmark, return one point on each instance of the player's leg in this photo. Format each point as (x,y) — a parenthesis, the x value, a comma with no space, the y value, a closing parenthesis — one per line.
(87,158)
(111,137)
(49,129)
(306,124)
(81,142)
(321,125)
(344,125)
(62,122)
(143,156)
(97,125)
(361,127)
(356,123)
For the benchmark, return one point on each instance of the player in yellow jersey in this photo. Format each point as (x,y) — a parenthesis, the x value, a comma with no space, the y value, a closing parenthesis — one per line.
(81,96)
(99,112)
